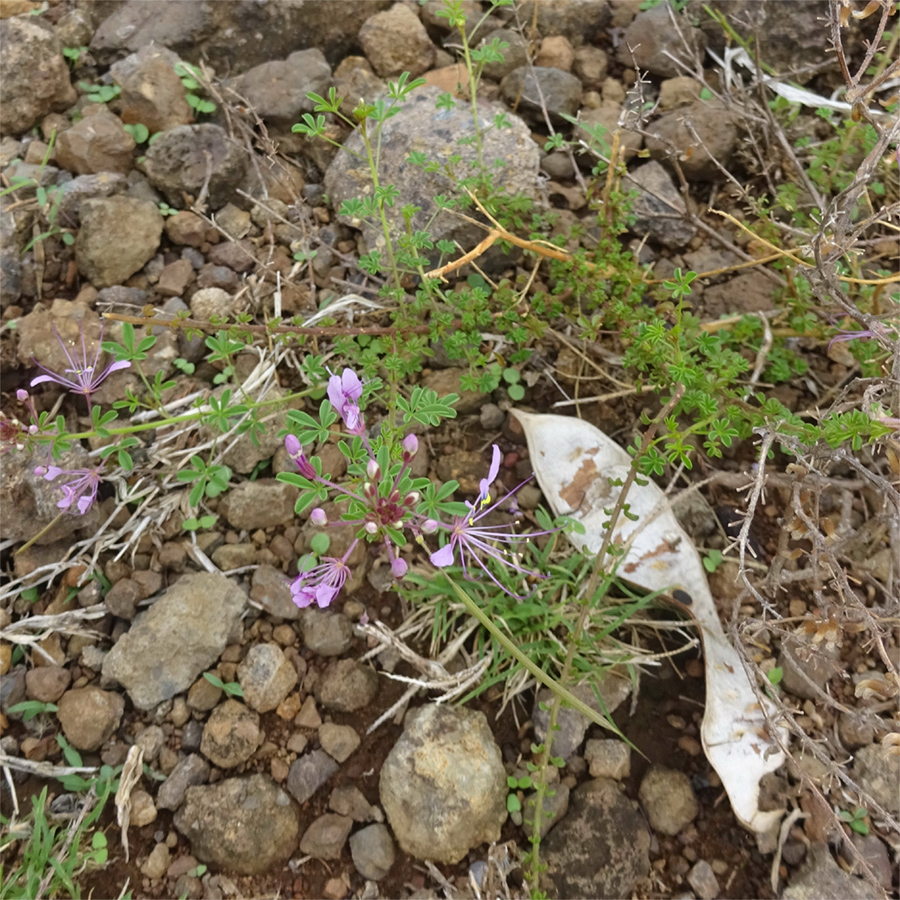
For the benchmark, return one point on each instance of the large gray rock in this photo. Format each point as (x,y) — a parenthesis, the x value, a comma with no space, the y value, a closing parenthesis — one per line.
(601,848)
(33,72)
(821,878)
(180,636)
(118,236)
(185,159)
(656,36)
(537,88)
(277,90)
(581,21)
(443,785)
(243,825)
(232,37)
(420,126)
(659,209)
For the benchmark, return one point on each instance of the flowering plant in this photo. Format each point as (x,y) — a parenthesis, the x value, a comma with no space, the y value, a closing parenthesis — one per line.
(384,499)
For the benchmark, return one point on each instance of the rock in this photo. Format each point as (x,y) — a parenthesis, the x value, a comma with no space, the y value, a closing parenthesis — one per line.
(10,260)
(348,800)
(123,598)
(181,635)
(326,633)
(554,808)
(561,92)
(118,236)
(143,809)
(803,662)
(277,90)
(875,853)
(47,684)
(420,126)
(220,277)
(272,590)
(668,799)
(608,758)
(679,91)
(33,72)
(443,785)
(157,862)
(235,556)
(88,187)
(372,850)
(755,293)
(655,36)
(514,56)
(581,21)
(244,825)
(659,208)
(190,771)
(236,255)
(259,504)
(876,769)
(346,685)
(89,716)
(396,41)
(556,53)
(601,848)
(98,143)
(703,880)
(325,838)
(231,735)
(591,65)
(821,878)
(175,278)
(152,93)
(181,159)
(188,229)
(572,724)
(308,773)
(492,417)
(266,676)
(696,134)
(213,301)
(338,741)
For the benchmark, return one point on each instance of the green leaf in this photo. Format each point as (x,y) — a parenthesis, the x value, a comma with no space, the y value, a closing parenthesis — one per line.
(320,543)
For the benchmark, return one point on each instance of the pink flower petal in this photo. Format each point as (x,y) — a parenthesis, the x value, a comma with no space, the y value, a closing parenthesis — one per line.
(443,557)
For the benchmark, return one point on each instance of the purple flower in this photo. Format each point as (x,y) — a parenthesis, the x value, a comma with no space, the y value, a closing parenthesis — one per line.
(410,445)
(86,376)
(344,391)
(466,537)
(80,492)
(322,583)
(484,487)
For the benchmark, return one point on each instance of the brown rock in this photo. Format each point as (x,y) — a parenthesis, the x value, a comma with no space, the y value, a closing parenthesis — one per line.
(90,716)
(98,143)
(47,683)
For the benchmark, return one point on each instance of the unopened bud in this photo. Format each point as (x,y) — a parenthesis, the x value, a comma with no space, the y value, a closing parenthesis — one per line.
(40,470)
(32,429)
(394,497)
(373,472)
(293,446)
(429,526)
(398,568)
(318,516)
(412,498)
(369,490)
(22,395)
(371,527)
(410,445)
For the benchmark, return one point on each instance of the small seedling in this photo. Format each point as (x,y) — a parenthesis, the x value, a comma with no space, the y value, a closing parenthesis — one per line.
(30,709)
(232,688)
(139,132)
(856,820)
(99,93)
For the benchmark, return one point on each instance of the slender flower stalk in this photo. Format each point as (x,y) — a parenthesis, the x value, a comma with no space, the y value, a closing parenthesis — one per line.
(86,373)
(80,492)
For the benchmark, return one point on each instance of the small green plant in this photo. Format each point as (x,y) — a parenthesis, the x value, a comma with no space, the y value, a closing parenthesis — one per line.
(513,804)
(195,524)
(232,688)
(99,93)
(190,78)
(32,708)
(856,820)
(73,54)
(166,210)
(139,132)
(712,560)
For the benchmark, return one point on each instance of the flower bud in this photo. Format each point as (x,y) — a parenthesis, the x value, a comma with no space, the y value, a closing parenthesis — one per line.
(398,568)
(318,517)
(293,446)
(394,497)
(412,498)
(373,472)
(371,527)
(369,490)
(21,395)
(410,445)
(429,526)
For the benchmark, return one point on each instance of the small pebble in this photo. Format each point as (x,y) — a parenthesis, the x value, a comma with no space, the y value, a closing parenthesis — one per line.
(703,881)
